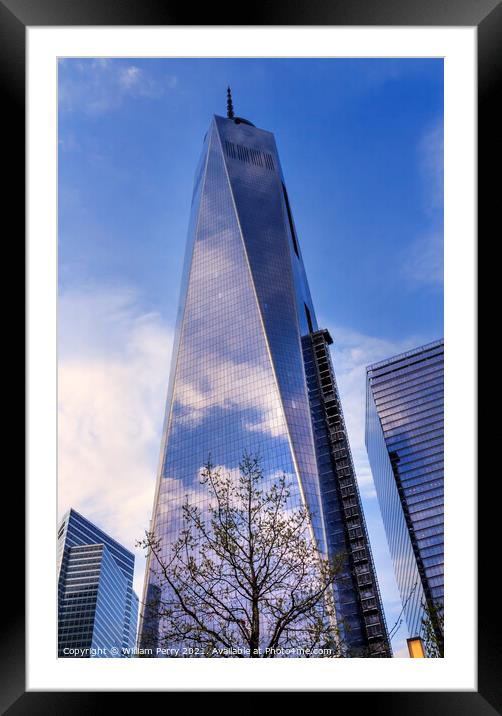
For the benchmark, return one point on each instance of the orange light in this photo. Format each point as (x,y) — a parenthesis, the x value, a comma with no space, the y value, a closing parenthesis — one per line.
(416,648)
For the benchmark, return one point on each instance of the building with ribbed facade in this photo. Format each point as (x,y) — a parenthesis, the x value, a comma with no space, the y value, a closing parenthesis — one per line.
(405,444)
(97,607)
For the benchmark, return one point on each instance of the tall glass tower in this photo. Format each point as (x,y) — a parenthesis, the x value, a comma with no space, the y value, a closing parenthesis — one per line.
(405,443)
(97,608)
(238,374)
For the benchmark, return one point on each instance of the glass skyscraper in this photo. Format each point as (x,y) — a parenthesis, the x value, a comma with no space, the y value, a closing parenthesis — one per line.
(97,608)
(245,374)
(404,439)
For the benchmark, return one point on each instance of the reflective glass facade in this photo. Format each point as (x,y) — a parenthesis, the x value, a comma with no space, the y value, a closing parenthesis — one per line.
(238,377)
(405,443)
(97,608)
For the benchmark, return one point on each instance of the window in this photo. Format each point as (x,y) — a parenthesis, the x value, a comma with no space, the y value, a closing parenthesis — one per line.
(251,156)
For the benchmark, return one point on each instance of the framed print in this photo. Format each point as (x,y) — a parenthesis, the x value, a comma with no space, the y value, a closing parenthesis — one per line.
(252,391)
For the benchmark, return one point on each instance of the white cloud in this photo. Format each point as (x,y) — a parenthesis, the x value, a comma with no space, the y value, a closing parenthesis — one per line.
(423,262)
(101,85)
(129,76)
(228,385)
(352,352)
(430,158)
(112,382)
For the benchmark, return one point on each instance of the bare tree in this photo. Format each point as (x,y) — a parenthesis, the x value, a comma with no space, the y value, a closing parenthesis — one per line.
(245,577)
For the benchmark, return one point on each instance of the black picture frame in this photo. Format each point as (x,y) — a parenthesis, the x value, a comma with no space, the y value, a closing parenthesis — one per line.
(15,16)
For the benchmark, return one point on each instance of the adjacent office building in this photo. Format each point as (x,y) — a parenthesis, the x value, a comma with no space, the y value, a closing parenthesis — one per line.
(404,439)
(251,370)
(97,607)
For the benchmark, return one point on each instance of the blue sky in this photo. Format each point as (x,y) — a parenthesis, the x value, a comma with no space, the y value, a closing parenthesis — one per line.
(361,145)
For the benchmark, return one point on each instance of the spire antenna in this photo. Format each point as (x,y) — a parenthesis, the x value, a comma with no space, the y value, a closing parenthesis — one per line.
(230,106)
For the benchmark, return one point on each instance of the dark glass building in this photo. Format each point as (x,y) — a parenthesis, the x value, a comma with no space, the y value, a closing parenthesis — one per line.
(251,370)
(404,440)
(97,608)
